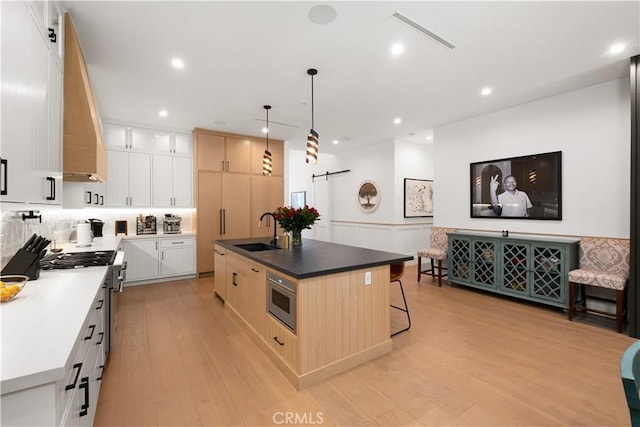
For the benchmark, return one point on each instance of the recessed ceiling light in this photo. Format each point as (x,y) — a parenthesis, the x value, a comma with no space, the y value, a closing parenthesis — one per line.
(397,49)
(486,91)
(617,48)
(335,142)
(163,113)
(265,130)
(177,63)
(397,120)
(429,138)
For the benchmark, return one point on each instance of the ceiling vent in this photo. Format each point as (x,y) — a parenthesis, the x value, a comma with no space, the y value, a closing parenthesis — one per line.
(433,36)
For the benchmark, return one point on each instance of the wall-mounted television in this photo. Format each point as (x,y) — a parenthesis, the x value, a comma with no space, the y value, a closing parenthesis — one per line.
(525,187)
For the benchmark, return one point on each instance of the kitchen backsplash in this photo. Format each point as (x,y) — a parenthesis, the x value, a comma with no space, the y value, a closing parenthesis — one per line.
(58,225)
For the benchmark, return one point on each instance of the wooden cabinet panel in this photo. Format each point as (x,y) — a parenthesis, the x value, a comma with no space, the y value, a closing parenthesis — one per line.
(238,154)
(220,266)
(235,202)
(266,196)
(257,295)
(209,151)
(209,217)
(282,341)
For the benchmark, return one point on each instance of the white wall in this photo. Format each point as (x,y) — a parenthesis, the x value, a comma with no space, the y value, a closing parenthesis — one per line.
(590,126)
(343,221)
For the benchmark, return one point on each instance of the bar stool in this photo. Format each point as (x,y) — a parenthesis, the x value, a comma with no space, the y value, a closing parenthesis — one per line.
(396,271)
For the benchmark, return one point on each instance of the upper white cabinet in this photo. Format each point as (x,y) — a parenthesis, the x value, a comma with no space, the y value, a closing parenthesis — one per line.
(180,144)
(172,181)
(31,150)
(119,137)
(129,182)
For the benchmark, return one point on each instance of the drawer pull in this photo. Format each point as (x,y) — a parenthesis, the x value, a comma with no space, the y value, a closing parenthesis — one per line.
(101,334)
(177,243)
(92,328)
(84,383)
(233,280)
(101,303)
(254,270)
(278,341)
(71,386)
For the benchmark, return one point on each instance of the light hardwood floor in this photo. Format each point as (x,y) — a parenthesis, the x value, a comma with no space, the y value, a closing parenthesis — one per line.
(470,358)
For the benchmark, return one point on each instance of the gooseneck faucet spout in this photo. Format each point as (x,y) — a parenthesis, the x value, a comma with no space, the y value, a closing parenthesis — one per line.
(273,241)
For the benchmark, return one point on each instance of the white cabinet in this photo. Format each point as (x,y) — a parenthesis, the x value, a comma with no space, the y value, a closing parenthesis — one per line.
(172,181)
(172,143)
(142,259)
(72,400)
(177,256)
(120,137)
(129,182)
(79,195)
(159,257)
(31,152)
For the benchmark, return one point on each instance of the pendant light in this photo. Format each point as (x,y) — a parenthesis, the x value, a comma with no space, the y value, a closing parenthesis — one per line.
(267,162)
(312,138)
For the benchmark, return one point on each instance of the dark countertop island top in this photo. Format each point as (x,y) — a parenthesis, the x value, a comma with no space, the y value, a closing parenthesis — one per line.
(314,257)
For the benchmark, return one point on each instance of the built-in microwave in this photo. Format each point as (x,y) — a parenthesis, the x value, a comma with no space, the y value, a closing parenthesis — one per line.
(281,300)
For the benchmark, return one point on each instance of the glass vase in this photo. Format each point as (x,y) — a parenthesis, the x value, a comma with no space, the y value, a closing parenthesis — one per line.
(296,238)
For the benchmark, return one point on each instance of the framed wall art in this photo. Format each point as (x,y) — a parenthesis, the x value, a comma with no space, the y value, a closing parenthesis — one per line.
(368,196)
(418,198)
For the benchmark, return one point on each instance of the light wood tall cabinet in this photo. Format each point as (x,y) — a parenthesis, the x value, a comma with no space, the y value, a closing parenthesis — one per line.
(231,192)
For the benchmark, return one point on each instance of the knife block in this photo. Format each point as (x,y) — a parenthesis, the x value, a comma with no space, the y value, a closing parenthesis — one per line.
(23,263)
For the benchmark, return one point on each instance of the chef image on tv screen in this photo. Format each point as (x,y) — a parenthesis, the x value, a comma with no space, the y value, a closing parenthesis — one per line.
(511,202)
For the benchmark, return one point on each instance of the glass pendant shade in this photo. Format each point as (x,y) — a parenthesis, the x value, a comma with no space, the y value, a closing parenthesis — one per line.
(267,163)
(312,147)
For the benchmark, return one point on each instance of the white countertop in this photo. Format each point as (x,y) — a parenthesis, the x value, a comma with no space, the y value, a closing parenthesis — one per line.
(160,234)
(39,327)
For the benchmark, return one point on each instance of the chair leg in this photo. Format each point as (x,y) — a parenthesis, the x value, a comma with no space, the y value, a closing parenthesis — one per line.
(433,271)
(405,309)
(619,309)
(439,272)
(419,267)
(572,301)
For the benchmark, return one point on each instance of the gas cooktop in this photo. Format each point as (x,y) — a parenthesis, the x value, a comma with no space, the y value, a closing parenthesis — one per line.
(77,260)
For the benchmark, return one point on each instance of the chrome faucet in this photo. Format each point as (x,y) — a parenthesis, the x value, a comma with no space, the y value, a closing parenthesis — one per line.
(273,241)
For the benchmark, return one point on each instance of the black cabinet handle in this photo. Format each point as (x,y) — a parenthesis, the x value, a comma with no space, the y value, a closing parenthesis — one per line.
(101,200)
(101,334)
(5,185)
(101,304)
(233,280)
(254,270)
(52,188)
(97,198)
(84,383)
(93,328)
(71,386)
(90,197)
(52,35)
(278,341)
(101,372)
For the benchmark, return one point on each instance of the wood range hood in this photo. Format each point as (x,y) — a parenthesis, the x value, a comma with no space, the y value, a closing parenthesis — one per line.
(85,157)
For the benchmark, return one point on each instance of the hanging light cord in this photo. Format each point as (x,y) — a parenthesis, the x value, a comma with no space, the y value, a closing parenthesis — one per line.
(267,129)
(312,114)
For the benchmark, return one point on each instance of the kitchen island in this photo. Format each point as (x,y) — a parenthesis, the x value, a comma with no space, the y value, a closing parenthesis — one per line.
(339,307)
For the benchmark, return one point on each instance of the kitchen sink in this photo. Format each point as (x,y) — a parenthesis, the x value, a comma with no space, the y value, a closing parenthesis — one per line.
(256,247)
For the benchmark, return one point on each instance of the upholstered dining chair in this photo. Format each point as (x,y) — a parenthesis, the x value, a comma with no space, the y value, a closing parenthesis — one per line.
(437,251)
(630,375)
(604,263)
(396,271)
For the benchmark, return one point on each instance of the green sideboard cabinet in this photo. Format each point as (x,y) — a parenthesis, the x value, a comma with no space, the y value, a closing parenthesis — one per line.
(535,268)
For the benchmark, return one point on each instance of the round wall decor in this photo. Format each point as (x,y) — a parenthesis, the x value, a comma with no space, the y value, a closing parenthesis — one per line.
(368,196)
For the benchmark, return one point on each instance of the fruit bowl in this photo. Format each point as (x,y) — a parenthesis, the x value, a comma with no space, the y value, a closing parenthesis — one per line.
(10,286)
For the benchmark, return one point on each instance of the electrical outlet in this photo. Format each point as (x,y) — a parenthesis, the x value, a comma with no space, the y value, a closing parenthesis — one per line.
(367,277)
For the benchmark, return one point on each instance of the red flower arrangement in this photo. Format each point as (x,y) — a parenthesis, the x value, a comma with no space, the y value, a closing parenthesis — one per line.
(296,220)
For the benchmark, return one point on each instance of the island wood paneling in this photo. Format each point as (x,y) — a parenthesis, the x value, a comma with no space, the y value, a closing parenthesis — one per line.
(339,316)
